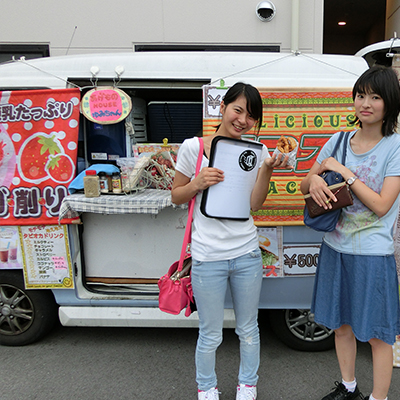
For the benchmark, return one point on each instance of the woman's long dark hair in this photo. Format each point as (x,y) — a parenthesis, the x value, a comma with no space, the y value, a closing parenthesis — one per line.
(253,98)
(384,82)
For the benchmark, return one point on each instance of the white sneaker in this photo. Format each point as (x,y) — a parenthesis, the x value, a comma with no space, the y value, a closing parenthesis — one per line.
(245,392)
(210,394)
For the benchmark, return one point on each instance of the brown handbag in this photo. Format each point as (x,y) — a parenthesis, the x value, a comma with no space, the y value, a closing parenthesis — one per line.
(342,193)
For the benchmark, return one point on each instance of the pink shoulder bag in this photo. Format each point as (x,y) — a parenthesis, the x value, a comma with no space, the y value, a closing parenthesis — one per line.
(176,285)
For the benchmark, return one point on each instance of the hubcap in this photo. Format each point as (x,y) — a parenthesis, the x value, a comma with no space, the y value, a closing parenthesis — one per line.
(16,311)
(301,323)
(6,311)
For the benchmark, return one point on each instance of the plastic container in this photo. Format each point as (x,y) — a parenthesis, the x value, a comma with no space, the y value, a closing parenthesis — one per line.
(116,183)
(91,184)
(125,182)
(103,180)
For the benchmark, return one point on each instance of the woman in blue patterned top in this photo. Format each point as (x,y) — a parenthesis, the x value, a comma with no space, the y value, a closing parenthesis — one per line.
(356,290)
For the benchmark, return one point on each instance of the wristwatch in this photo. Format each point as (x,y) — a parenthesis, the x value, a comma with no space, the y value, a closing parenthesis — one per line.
(351,180)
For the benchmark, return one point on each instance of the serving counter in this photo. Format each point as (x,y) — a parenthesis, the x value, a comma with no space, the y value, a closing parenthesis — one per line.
(148,201)
(134,236)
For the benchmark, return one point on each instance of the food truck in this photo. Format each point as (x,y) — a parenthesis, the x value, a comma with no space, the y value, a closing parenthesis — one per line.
(96,261)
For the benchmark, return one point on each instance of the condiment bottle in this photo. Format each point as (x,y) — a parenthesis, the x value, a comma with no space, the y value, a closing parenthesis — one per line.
(125,182)
(116,183)
(91,185)
(103,182)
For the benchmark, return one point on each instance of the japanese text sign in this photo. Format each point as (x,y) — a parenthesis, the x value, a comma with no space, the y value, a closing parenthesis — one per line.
(38,151)
(106,105)
(46,257)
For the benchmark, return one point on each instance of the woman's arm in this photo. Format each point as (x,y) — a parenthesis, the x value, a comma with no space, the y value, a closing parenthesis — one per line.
(305,183)
(183,189)
(379,203)
(261,187)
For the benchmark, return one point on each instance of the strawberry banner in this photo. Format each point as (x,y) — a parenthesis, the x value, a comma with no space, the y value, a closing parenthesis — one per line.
(38,152)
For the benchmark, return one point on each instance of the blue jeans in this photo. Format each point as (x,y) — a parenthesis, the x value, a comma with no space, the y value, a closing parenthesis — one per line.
(210,281)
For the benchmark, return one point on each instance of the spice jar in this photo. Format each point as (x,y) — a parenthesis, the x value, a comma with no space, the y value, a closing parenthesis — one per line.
(116,183)
(91,184)
(103,180)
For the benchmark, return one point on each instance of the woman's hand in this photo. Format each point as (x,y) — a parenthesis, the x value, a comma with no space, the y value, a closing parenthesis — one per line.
(278,161)
(261,187)
(207,177)
(331,164)
(320,193)
(183,189)
(318,187)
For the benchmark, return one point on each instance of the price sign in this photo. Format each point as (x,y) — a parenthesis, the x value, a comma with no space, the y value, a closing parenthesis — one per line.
(300,259)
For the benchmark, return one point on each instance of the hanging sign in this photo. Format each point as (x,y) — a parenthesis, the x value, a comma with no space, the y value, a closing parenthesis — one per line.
(38,152)
(107,105)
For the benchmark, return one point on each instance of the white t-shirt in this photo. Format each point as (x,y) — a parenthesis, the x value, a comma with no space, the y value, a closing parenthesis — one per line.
(215,239)
(360,230)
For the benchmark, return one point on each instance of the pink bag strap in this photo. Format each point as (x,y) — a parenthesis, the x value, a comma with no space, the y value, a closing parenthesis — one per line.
(188,230)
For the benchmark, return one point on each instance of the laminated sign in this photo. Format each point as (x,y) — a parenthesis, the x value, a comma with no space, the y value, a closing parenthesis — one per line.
(46,257)
(38,151)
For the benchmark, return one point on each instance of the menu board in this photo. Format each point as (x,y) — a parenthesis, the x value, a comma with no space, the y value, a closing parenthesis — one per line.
(46,257)
(239,159)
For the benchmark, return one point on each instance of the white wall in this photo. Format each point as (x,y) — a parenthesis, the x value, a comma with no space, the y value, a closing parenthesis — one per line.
(116,26)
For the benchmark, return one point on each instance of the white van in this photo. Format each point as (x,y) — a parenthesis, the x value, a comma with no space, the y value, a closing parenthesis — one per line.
(116,259)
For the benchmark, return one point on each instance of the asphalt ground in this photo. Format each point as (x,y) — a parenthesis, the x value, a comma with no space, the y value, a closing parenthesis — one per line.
(157,363)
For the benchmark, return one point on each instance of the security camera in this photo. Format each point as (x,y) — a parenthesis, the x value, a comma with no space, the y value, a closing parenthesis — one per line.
(265,11)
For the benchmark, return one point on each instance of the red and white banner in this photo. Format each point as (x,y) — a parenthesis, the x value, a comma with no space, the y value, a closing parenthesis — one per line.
(38,153)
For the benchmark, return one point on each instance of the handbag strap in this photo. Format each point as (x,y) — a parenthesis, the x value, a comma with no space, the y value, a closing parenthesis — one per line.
(188,229)
(346,138)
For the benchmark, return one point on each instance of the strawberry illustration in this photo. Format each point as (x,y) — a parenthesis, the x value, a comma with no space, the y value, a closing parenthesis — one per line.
(34,154)
(60,168)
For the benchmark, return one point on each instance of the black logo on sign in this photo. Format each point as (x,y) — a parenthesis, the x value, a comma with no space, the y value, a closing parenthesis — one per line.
(248,160)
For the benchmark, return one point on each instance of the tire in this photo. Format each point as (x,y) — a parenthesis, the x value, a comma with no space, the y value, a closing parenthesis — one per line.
(298,330)
(25,315)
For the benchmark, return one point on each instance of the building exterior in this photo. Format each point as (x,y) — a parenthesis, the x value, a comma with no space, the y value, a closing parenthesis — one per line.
(73,26)
(54,28)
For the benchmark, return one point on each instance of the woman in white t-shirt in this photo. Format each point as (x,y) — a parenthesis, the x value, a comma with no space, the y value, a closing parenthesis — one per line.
(356,290)
(226,252)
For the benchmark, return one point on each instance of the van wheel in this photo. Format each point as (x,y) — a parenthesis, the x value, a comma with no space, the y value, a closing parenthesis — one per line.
(25,315)
(298,330)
